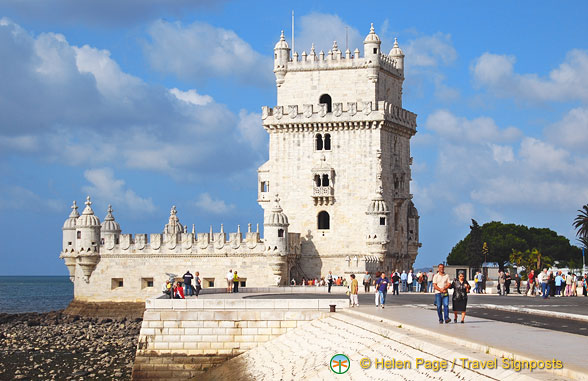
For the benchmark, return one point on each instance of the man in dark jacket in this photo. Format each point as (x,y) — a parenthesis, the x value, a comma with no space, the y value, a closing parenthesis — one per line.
(188,283)
(517,279)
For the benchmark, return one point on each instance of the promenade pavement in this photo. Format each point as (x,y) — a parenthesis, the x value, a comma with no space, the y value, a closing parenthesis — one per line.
(493,337)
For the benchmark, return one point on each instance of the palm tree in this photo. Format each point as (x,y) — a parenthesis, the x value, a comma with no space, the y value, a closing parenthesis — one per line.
(581,224)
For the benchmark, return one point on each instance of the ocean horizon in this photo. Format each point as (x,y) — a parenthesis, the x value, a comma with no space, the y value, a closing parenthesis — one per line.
(37,293)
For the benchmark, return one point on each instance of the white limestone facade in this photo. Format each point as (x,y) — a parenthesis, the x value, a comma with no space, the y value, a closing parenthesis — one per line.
(339,158)
(335,190)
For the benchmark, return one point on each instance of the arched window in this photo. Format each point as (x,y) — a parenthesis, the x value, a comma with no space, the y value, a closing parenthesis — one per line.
(79,234)
(325,180)
(280,233)
(319,142)
(323,220)
(317,180)
(328,142)
(326,99)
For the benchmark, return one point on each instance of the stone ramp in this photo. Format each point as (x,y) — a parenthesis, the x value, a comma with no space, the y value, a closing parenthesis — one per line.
(305,353)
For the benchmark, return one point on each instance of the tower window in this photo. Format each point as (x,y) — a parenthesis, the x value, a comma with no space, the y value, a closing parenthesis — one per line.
(264,186)
(325,180)
(317,180)
(319,142)
(382,220)
(323,220)
(280,233)
(328,142)
(375,50)
(326,99)
(79,234)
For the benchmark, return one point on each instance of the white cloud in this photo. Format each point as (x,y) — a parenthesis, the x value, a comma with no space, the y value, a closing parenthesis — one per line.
(252,131)
(459,129)
(208,204)
(322,29)
(14,197)
(88,112)
(430,51)
(199,51)
(567,82)
(502,154)
(464,212)
(105,187)
(572,131)
(191,96)
(482,164)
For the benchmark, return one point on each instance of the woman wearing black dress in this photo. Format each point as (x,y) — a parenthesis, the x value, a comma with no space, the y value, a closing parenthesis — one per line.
(461,287)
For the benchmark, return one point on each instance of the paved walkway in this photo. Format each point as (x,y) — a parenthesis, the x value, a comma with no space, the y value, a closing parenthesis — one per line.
(305,353)
(494,337)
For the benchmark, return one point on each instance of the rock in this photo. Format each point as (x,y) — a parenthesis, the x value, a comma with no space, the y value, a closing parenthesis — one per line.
(80,373)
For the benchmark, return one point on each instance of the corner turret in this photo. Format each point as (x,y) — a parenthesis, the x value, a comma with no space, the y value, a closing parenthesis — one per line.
(275,231)
(110,230)
(69,230)
(281,58)
(398,55)
(371,52)
(88,240)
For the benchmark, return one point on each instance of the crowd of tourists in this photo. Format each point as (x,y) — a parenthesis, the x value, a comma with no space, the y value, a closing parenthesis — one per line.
(547,284)
(190,285)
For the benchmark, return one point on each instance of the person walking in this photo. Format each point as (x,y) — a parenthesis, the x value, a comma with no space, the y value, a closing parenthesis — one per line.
(558,283)
(430,281)
(235,281)
(330,281)
(441,284)
(476,287)
(418,280)
(188,283)
(395,283)
(197,283)
(377,280)
(507,280)
(551,284)
(410,280)
(544,284)
(403,278)
(229,277)
(461,287)
(383,289)
(367,280)
(354,292)
(531,283)
(517,279)
(501,281)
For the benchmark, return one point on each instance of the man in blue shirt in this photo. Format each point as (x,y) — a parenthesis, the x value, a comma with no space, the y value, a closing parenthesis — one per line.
(403,278)
(383,289)
(558,283)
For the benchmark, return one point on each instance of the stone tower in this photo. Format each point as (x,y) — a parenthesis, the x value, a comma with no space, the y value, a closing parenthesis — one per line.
(339,157)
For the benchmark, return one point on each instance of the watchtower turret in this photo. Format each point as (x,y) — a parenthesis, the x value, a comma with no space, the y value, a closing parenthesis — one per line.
(281,58)
(398,55)
(275,231)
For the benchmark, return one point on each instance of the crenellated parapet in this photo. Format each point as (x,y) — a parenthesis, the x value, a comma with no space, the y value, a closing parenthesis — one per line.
(348,115)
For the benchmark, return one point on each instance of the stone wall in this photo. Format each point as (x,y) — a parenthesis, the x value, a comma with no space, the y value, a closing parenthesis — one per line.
(182,338)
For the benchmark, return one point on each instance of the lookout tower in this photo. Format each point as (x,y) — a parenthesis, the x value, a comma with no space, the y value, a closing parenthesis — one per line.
(338,135)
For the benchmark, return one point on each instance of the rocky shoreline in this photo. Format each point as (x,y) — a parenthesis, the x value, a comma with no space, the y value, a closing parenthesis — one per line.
(58,346)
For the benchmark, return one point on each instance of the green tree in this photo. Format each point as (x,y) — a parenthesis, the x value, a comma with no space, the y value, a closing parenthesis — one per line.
(475,257)
(530,260)
(581,225)
(502,239)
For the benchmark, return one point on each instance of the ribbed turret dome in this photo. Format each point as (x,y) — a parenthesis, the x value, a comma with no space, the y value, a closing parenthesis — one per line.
(87,219)
(173,226)
(378,204)
(282,44)
(70,223)
(109,225)
(396,51)
(276,216)
(372,36)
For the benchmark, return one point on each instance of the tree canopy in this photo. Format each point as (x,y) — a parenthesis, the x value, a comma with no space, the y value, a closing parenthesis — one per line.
(502,239)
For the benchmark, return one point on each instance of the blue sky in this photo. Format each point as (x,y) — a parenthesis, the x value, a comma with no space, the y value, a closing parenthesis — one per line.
(146,104)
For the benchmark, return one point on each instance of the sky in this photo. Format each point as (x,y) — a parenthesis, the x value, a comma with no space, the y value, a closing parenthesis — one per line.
(145,104)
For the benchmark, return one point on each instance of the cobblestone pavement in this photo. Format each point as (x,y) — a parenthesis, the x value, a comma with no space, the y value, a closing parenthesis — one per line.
(305,353)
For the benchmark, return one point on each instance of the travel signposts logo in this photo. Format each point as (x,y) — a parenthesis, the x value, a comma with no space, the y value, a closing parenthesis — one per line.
(339,364)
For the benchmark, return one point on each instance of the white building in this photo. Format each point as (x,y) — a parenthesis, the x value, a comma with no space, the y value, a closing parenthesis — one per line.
(335,190)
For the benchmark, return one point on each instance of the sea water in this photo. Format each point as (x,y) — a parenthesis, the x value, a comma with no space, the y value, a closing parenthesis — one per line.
(34,293)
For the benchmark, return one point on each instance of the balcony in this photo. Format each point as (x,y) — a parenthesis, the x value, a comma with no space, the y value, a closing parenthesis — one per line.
(323,195)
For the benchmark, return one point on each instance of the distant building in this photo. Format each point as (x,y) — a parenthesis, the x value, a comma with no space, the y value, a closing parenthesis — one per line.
(335,190)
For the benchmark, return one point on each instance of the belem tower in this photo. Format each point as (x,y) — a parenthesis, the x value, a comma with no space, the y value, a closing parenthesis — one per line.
(335,191)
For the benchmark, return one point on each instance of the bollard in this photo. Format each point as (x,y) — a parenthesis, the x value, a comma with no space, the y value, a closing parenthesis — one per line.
(332,307)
